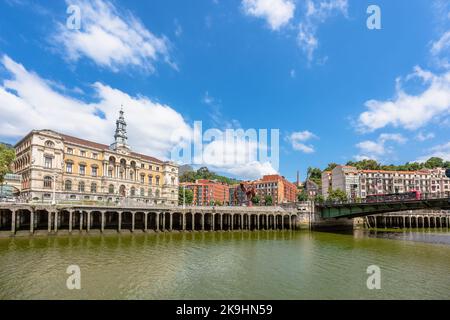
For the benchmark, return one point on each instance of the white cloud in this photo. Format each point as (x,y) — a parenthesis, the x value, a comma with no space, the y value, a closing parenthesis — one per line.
(374,149)
(440,151)
(423,136)
(407,110)
(298,141)
(277,13)
(317,12)
(29,102)
(238,158)
(111,38)
(440,50)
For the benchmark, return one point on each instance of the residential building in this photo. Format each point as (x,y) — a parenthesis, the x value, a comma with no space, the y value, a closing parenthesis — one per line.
(281,190)
(208,192)
(327,184)
(77,169)
(361,183)
(312,189)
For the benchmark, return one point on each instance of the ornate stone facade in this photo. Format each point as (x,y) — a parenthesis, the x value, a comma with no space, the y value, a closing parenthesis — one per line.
(55,165)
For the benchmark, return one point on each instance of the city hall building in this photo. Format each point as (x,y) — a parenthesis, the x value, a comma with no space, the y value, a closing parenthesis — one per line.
(74,169)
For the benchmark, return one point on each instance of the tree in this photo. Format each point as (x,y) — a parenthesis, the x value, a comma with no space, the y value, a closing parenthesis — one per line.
(256,199)
(315,175)
(331,166)
(302,196)
(319,198)
(204,173)
(268,200)
(365,164)
(337,195)
(434,163)
(7,156)
(188,193)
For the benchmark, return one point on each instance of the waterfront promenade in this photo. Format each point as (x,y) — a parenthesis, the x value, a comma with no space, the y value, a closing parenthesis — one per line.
(44,218)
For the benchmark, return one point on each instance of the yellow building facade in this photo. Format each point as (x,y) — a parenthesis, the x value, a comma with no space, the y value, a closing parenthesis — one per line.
(55,166)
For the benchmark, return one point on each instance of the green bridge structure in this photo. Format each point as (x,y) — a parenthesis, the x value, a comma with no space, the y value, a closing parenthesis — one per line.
(357,209)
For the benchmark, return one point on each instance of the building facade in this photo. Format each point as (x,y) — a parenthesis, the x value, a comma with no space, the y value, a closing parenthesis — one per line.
(55,165)
(281,190)
(208,192)
(361,183)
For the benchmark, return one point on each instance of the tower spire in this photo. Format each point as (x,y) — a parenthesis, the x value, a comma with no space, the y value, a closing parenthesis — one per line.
(120,136)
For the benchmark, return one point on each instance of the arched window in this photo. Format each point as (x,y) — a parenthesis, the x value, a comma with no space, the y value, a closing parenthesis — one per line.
(111,189)
(49,144)
(150,193)
(48,182)
(157,180)
(157,193)
(133,191)
(93,187)
(173,180)
(131,175)
(81,186)
(142,192)
(68,185)
(150,179)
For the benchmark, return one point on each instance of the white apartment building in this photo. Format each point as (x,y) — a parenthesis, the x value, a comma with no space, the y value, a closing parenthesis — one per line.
(361,183)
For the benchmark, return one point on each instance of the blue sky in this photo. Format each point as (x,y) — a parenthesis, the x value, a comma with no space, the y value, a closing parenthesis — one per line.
(336,90)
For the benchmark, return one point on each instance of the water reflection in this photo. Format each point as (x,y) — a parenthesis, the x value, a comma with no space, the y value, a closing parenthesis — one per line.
(228,265)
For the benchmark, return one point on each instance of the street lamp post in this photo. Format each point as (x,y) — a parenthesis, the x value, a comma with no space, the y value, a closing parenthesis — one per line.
(184,197)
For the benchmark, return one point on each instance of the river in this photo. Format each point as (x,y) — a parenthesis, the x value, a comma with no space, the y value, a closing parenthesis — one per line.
(229,265)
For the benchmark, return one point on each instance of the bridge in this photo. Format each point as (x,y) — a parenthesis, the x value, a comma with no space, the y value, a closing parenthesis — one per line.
(356,209)
(48,219)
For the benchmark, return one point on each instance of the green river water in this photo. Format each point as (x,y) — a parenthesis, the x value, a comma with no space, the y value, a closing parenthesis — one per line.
(229,265)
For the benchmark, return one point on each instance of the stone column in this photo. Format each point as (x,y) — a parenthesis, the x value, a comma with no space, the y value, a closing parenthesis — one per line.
(203,222)
(145,221)
(133,218)
(170,221)
(213,224)
(103,222)
(241,224)
(56,220)
(193,222)
(31,221)
(70,220)
(13,222)
(257,221)
(119,226)
(157,220)
(232,221)
(221,221)
(290,222)
(183,216)
(88,226)
(163,222)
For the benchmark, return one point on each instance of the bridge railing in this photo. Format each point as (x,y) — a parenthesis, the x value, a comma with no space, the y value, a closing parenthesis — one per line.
(380,199)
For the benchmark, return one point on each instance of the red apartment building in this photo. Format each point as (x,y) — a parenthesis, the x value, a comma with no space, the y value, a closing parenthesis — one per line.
(281,190)
(207,192)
